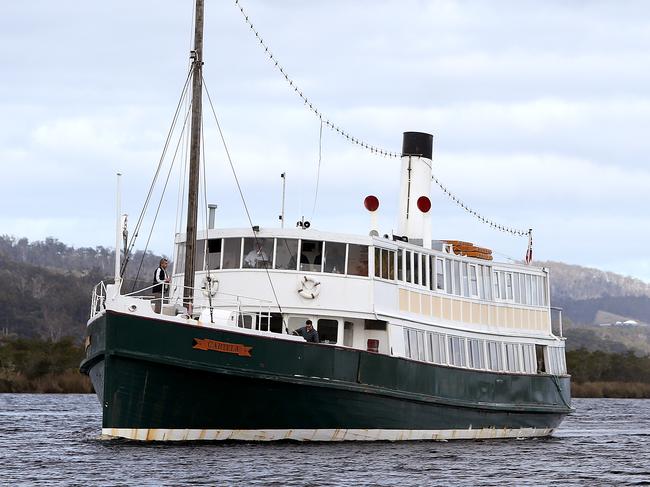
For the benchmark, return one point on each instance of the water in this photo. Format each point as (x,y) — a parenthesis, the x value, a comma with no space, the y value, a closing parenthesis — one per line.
(52,440)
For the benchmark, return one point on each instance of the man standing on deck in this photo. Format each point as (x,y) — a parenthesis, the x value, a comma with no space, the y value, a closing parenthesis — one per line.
(308,332)
(160,278)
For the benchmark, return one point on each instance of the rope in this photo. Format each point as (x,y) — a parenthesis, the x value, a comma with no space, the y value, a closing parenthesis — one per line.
(320,156)
(241,193)
(136,231)
(474,213)
(306,101)
(144,253)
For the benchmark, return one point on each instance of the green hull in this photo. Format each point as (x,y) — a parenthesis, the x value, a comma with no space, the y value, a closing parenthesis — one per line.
(158,375)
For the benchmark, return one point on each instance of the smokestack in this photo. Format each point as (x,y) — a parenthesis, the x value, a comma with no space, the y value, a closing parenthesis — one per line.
(415,188)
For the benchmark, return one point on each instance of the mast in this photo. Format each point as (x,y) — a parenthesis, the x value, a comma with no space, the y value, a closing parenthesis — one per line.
(195,154)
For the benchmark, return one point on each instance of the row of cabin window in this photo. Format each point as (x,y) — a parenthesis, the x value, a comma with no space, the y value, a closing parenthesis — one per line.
(278,253)
(475,353)
(520,288)
(460,278)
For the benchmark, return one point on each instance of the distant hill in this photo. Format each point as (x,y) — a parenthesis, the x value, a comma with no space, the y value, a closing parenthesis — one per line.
(45,289)
(45,286)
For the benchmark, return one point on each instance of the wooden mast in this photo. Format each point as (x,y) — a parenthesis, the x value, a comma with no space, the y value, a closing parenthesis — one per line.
(195,155)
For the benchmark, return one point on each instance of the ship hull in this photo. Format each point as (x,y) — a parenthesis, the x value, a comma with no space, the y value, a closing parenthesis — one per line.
(167,381)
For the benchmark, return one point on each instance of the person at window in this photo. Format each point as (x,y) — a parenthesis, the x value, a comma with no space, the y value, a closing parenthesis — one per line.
(256,258)
(160,279)
(308,332)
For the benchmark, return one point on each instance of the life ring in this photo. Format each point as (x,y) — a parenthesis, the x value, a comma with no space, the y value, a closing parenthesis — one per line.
(309,288)
(209,286)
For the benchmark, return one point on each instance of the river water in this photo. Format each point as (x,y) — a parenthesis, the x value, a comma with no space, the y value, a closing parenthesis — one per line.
(53,440)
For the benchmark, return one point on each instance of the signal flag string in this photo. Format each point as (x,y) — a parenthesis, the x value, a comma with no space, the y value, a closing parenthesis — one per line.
(307,102)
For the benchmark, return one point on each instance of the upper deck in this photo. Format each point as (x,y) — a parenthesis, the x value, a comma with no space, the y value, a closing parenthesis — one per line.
(372,276)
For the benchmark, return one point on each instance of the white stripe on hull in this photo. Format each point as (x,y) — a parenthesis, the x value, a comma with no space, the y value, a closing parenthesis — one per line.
(144,434)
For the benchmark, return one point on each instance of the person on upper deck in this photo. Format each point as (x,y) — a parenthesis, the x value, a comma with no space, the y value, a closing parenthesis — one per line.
(160,278)
(308,332)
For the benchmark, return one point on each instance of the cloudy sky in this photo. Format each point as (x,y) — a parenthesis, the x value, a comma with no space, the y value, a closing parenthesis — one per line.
(540,113)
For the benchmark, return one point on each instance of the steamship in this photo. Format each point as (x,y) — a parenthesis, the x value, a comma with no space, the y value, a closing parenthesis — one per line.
(419,339)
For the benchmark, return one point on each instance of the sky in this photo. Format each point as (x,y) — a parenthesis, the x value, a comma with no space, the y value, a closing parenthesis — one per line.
(540,113)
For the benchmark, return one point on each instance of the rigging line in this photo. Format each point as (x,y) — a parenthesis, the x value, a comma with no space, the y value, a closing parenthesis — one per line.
(153,223)
(320,155)
(241,193)
(206,268)
(181,177)
(138,225)
(474,213)
(306,101)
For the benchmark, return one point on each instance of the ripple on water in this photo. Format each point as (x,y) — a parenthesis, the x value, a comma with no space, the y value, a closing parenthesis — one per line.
(54,440)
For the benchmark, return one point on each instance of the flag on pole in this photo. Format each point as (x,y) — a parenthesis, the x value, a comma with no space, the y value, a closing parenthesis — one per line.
(529,252)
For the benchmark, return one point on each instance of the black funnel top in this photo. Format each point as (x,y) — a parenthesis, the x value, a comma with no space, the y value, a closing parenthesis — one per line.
(417,144)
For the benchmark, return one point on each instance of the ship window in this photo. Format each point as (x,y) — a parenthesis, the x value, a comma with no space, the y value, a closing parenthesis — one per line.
(457,289)
(448,276)
(358,260)
(508,285)
(457,351)
(390,260)
(348,328)
(245,321)
(199,255)
(476,353)
(465,279)
(416,268)
(497,280)
(423,268)
(374,325)
(377,262)
(274,324)
(487,273)
(529,296)
(517,288)
(473,281)
(400,265)
(258,253)
(535,292)
(440,274)
(179,263)
(286,253)
(542,292)
(334,257)
(214,253)
(512,357)
(438,348)
(327,330)
(494,356)
(311,255)
(409,263)
(502,285)
(231,253)
(421,347)
(529,359)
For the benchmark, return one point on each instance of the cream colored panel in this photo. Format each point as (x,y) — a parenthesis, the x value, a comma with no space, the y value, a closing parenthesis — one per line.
(436,308)
(476,313)
(493,315)
(446,308)
(426,304)
(519,318)
(415,301)
(545,321)
(485,314)
(465,311)
(455,310)
(510,320)
(403,300)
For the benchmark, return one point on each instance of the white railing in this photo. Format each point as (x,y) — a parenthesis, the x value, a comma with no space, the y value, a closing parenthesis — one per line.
(172,303)
(98,301)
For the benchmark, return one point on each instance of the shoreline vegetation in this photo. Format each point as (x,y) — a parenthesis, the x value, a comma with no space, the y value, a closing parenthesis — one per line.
(44,366)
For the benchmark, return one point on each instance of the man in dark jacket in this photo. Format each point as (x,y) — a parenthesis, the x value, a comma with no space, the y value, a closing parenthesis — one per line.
(160,278)
(308,332)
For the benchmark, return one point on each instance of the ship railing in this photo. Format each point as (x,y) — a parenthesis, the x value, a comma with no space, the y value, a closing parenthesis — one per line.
(556,321)
(98,301)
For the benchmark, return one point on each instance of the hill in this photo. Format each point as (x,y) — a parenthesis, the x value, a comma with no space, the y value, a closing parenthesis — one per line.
(45,287)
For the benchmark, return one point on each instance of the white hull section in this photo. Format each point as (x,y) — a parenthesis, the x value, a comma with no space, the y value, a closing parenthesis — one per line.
(144,434)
